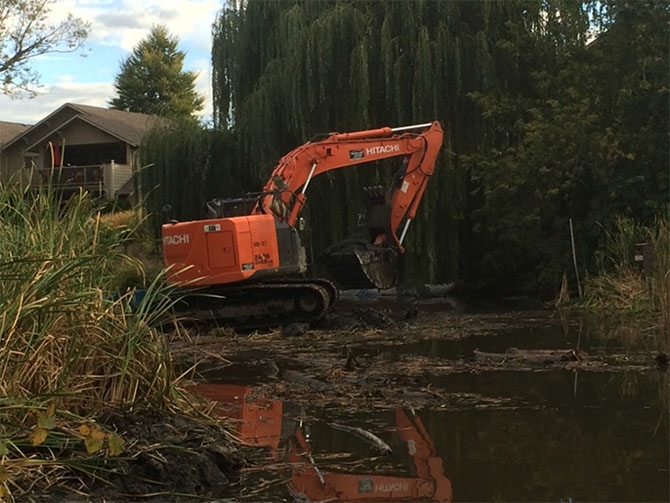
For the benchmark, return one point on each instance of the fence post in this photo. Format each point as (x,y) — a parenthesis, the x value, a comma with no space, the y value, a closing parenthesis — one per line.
(574,259)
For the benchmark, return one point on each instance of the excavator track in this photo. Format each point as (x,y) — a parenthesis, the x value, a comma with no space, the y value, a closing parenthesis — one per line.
(256,305)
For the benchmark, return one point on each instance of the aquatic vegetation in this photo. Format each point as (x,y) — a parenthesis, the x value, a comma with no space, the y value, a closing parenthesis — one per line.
(73,343)
(633,277)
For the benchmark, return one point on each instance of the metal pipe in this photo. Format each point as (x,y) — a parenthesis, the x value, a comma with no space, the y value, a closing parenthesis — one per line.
(415,126)
(311,172)
(404,231)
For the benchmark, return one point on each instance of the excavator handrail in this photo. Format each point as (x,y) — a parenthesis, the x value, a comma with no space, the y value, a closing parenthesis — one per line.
(284,193)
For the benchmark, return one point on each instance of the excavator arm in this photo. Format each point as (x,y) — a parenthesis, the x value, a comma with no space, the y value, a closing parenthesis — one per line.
(356,263)
(284,194)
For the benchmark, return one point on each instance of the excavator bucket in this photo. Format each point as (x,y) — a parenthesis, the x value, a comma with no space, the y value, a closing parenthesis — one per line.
(357,264)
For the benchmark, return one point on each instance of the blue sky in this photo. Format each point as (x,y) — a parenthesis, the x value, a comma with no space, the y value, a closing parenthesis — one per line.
(87,76)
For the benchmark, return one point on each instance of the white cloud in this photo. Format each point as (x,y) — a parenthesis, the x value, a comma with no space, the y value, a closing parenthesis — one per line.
(203,82)
(30,111)
(117,23)
(126,22)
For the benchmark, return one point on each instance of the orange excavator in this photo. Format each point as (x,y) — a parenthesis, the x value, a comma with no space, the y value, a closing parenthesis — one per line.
(246,260)
(266,423)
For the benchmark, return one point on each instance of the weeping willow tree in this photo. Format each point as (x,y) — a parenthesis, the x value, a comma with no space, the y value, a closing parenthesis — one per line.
(187,165)
(286,70)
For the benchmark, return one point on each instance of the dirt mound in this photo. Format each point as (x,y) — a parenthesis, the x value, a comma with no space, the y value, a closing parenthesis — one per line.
(176,456)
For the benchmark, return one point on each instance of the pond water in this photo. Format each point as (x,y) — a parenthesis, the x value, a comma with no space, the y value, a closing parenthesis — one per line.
(555,435)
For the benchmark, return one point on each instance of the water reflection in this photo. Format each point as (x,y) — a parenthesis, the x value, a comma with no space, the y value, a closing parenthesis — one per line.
(270,424)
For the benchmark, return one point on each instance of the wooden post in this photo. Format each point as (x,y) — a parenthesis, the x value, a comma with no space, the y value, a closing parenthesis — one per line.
(112,181)
(574,259)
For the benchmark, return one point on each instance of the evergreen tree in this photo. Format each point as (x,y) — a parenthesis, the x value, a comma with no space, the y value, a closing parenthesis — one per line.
(152,80)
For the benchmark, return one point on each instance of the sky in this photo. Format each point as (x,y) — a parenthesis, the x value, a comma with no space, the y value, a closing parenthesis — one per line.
(87,76)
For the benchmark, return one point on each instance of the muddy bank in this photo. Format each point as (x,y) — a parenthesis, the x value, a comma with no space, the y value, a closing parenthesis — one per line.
(175,455)
(168,457)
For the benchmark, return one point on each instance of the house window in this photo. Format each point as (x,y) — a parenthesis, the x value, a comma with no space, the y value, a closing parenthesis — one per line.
(95,154)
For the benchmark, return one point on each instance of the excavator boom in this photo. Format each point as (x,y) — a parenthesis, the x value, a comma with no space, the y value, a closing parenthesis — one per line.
(284,193)
(359,263)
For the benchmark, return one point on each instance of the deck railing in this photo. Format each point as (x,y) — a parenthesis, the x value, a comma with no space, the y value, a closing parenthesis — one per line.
(102,178)
(73,177)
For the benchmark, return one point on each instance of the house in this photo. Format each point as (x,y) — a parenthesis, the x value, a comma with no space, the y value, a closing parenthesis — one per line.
(76,147)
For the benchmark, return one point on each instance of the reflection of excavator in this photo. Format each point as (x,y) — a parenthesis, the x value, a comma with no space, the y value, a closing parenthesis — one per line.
(258,421)
(249,254)
(263,423)
(427,483)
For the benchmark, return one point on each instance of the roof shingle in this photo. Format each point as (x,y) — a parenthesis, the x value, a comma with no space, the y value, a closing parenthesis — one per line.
(128,126)
(10,130)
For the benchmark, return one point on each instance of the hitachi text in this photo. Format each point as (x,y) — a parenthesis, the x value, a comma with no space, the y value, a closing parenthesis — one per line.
(382,149)
(177,239)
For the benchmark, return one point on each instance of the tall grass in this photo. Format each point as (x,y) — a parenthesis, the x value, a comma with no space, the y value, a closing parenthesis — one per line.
(621,284)
(72,342)
(660,239)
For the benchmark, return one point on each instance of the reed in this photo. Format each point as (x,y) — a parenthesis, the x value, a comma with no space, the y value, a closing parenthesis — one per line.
(659,237)
(621,286)
(72,342)
(66,329)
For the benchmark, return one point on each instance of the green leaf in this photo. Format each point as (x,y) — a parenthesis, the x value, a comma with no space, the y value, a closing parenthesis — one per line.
(45,421)
(116,445)
(4,451)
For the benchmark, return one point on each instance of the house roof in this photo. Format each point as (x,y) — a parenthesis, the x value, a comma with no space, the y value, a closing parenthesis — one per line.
(10,130)
(129,127)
